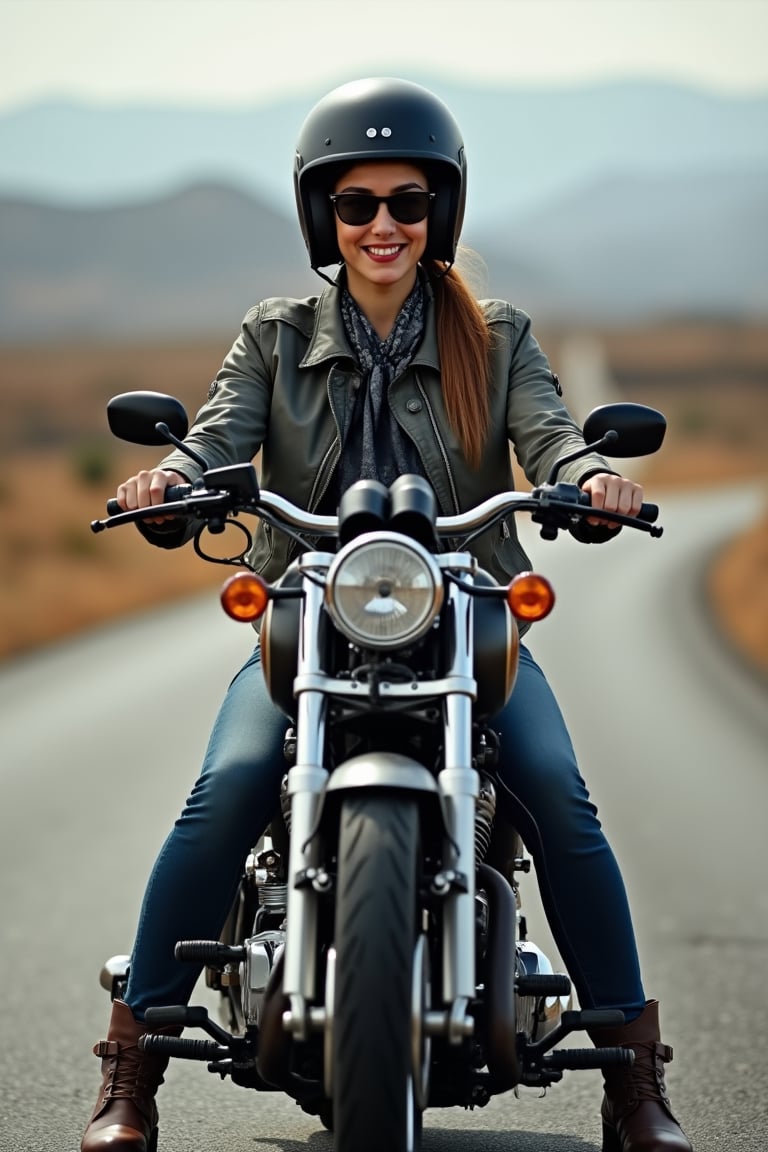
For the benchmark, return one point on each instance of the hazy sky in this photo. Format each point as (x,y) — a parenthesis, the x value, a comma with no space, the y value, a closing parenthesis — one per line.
(229,52)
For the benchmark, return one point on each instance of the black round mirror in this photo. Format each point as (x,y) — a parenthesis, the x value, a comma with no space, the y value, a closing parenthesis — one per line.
(639,429)
(134,416)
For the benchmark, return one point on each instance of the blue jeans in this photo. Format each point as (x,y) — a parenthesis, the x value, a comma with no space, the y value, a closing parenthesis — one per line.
(195,878)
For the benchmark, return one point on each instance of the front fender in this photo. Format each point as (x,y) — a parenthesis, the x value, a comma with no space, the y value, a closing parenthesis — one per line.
(373,771)
(382,770)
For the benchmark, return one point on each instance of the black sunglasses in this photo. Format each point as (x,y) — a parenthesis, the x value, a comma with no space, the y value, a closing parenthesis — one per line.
(361,207)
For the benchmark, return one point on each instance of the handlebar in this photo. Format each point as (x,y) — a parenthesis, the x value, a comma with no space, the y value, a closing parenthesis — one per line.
(446,526)
(557,504)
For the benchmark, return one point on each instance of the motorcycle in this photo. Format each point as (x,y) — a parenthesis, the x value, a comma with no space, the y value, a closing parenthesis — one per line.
(376,961)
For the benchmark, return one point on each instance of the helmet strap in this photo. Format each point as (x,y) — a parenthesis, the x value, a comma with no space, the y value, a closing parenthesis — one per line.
(333,283)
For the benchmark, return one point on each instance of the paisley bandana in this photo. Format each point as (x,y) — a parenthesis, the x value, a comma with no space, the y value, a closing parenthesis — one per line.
(374,446)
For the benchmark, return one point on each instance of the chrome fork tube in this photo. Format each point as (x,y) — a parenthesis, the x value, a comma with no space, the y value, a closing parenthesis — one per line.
(459,785)
(306,781)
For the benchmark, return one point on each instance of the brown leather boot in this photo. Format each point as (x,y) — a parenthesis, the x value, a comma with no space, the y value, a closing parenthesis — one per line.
(637,1114)
(125,1116)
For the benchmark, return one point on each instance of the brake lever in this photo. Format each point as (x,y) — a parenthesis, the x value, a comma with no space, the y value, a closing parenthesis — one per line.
(186,509)
(653,530)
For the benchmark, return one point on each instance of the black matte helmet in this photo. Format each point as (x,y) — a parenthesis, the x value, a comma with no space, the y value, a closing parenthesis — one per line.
(379,119)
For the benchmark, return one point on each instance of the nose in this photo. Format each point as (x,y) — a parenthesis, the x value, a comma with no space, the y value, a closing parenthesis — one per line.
(382,221)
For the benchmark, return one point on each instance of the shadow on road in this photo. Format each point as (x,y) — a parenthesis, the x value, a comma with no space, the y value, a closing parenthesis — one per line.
(458,1140)
(484,1140)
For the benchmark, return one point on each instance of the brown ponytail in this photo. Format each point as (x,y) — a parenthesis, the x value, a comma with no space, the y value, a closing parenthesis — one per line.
(463,341)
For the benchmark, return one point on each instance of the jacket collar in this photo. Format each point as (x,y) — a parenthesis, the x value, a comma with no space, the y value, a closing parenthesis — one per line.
(329,339)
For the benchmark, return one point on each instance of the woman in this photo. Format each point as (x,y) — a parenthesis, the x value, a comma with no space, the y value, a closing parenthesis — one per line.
(393,368)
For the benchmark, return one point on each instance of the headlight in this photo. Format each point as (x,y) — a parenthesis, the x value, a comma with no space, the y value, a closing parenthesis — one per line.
(384,590)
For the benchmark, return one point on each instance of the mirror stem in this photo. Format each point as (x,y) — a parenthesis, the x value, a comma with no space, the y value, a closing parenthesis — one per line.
(610,437)
(165,431)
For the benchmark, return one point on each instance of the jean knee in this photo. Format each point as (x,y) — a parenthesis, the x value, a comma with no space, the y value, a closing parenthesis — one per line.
(230,792)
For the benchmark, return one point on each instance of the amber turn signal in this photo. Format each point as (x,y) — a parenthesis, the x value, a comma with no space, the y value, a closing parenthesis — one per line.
(244,597)
(530,596)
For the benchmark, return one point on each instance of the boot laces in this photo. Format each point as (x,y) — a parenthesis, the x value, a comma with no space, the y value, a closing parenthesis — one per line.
(133,1075)
(646,1075)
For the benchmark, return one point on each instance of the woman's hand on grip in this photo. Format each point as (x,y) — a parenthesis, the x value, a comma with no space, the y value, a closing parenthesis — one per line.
(614,494)
(146,489)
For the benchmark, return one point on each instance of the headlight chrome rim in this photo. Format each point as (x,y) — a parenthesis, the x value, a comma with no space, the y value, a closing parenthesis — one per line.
(405,590)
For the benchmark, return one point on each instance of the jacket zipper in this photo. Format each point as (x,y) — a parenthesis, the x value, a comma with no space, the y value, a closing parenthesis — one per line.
(316,496)
(441,446)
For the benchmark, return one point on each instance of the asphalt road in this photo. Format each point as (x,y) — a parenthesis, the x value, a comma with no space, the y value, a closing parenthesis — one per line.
(100,738)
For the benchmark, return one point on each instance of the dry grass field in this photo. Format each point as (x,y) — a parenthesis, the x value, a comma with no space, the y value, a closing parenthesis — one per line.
(60,463)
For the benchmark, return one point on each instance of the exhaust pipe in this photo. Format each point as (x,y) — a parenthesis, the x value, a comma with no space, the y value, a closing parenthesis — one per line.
(501,1053)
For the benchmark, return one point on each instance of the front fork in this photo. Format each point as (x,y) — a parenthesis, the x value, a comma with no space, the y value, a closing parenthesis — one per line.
(458,786)
(306,783)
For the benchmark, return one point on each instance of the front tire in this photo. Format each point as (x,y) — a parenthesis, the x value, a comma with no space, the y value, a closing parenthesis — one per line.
(374,1101)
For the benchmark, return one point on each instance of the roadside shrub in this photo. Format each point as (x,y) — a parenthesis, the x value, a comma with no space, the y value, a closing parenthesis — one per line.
(694,420)
(92,464)
(76,540)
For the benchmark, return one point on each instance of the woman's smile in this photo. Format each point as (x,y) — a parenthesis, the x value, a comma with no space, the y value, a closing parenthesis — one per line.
(391,252)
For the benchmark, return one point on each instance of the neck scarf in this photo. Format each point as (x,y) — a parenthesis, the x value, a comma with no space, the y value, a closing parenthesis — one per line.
(374,446)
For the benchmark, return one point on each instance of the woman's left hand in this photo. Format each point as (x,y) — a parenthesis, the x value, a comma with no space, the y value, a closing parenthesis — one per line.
(614,494)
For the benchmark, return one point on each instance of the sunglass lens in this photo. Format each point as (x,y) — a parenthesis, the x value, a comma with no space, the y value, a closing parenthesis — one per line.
(409,207)
(356,208)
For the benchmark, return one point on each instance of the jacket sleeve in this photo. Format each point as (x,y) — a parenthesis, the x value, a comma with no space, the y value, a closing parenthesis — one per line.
(540,426)
(538,422)
(231,425)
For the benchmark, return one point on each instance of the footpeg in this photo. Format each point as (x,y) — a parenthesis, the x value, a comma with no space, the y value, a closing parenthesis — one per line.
(223,1052)
(172,1016)
(212,953)
(183,1049)
(538,1055)
(542,984)
(571,1058)
(601,1018)
(181,1016)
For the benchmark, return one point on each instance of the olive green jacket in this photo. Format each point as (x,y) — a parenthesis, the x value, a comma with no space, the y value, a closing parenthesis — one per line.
(284,386)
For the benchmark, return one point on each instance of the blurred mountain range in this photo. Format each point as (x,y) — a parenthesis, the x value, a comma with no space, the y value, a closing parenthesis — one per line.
(608,204)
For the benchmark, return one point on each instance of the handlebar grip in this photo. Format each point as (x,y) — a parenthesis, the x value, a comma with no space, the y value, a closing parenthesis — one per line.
(173,493)
(648,512)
